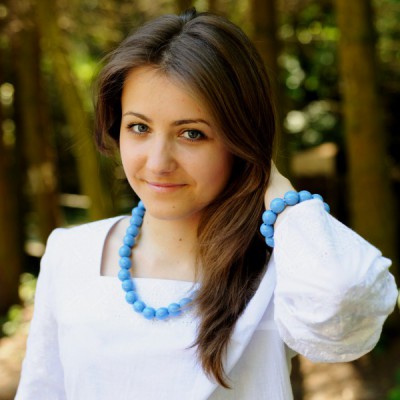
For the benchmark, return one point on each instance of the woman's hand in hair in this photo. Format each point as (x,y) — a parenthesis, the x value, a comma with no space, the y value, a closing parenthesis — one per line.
(278,185)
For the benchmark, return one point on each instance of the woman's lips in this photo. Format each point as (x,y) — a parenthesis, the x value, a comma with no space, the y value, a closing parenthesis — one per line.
(164,187)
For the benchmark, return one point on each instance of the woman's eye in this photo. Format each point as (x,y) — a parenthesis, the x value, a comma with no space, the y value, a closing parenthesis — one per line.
(193,134)
(139,128)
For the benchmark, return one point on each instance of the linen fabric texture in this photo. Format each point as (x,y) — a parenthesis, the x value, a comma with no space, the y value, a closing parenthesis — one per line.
(325,294)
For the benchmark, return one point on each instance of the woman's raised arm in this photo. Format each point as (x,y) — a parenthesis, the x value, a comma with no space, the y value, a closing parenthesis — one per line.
(334,290)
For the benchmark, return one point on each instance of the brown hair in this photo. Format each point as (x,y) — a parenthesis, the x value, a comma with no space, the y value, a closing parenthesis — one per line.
(214,58)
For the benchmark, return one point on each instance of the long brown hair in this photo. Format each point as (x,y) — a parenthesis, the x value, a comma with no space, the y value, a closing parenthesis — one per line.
(214,58)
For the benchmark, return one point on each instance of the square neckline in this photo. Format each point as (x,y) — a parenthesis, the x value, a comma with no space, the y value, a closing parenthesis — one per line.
(105,235)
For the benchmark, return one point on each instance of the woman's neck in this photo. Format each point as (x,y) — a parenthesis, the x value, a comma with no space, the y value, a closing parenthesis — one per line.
(166,249)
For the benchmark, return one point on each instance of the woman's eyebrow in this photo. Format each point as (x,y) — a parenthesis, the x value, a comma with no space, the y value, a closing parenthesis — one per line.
(175,123)
(141,116)
(191,121)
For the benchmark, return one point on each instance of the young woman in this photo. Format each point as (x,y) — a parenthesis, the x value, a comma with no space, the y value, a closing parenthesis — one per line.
(206,310)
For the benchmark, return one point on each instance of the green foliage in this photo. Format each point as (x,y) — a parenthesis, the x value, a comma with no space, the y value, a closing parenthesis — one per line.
(309,73)
(27,288)
(14,318)
(394,393)
(316,123)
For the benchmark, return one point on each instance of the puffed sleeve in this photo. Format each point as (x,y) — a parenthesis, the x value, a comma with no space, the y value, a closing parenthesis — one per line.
(42,372)
(334,290)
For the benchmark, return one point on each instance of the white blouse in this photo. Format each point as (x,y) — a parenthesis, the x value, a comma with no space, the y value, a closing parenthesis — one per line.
(325,294)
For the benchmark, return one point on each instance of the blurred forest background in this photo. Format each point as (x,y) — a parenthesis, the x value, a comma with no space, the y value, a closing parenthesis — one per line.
(335,65)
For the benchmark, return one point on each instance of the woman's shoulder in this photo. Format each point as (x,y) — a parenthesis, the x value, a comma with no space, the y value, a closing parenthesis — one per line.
(82,233)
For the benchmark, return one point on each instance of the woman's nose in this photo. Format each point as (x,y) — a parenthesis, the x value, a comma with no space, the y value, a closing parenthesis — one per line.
(160,158)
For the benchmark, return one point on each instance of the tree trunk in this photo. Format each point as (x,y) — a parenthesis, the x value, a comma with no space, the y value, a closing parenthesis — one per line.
(371,199)
(10,245)
(263,16)
(89,170)
(33,124)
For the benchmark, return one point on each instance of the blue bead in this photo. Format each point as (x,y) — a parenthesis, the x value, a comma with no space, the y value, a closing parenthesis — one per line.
(184,302)
(138,211)
(317,196)
(269,217)
(149,312)
(162,313)
(131,297)
(129,240)
(304,195)
(327,208)
(136,220)
(125,262)
(174,309)
(123,274)
(277,205)
(291,198)
(132,230)
(125,251)
(141,205)
(267,230)
(270,242)
(127,285)
(139,306)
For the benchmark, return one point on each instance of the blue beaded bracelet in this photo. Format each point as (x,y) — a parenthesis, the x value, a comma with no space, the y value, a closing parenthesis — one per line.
(277,205)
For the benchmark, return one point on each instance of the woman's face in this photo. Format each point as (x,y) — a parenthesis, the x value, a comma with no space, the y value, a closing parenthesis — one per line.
(171,150)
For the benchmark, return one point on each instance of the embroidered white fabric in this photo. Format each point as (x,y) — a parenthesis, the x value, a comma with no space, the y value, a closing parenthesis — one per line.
(326,294)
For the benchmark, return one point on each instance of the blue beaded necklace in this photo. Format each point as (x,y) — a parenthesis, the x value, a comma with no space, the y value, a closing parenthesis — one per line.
(269,217)
(124,274)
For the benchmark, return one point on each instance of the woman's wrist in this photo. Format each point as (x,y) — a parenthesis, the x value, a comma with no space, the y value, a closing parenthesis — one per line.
(278,206)
(277,189)
(277,192)
(278,185)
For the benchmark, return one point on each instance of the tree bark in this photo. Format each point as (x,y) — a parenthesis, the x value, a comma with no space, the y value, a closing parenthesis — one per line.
(33,123)
(263,16)
(10,243)
(371,199)
(89,171)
